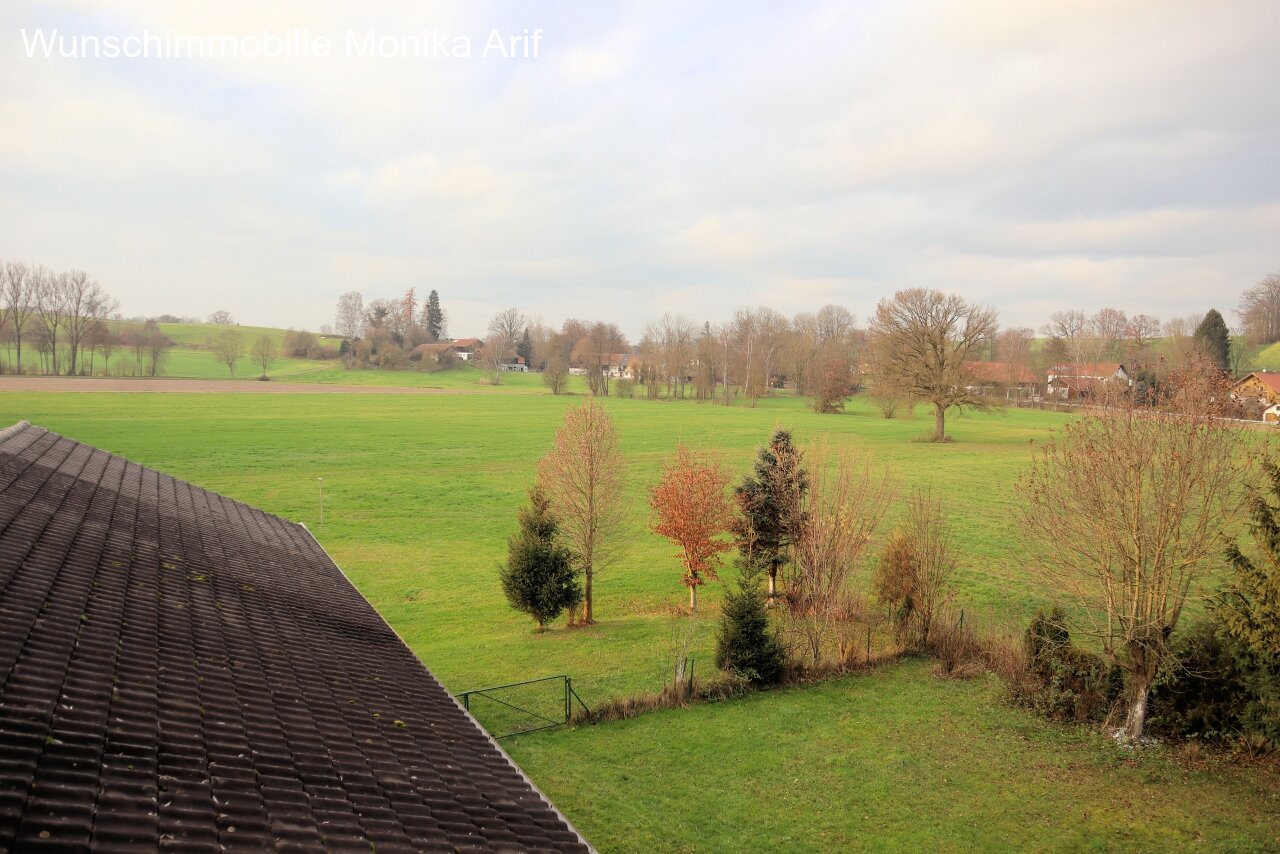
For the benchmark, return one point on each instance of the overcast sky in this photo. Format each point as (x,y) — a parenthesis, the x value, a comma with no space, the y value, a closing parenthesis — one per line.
(654,156)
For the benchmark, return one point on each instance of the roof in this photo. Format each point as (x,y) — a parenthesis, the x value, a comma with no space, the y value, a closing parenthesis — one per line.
(1270,379)
(1000,372)
(180,669)
(1096,370)
(467,342)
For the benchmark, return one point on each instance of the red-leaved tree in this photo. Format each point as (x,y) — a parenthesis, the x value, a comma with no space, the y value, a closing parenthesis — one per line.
(692,509)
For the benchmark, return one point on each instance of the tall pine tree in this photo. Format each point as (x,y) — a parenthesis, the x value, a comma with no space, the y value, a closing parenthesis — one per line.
(539,578)
(1214,340)
(434,322)
(771,502)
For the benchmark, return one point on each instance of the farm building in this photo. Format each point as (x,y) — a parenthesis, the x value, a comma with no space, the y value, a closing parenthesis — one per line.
(1260,386)
(182,670)
(467,348)
(1075,381)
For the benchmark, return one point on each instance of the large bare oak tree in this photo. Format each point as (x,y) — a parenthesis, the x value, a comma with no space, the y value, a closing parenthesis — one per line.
(921,340)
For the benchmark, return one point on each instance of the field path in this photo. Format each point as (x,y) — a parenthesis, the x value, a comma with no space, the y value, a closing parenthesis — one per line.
(145,385)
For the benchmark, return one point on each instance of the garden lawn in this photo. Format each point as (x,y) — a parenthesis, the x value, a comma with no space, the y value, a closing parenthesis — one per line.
(896,759)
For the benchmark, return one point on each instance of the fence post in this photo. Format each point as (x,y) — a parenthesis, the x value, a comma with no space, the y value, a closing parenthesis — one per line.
(568,706)
(466,701)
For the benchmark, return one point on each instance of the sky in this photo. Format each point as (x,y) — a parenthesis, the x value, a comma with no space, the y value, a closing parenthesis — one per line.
(651,157)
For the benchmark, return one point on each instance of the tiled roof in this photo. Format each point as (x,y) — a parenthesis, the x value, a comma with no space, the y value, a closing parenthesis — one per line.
(180,670)
(1000,372)
(1270,379)
(1095,370)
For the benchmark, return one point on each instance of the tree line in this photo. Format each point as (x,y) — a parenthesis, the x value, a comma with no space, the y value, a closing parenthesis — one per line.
(55,322)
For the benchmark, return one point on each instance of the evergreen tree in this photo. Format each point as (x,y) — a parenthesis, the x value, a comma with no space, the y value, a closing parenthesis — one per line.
(434,316)
(539,578)
(770,500)
(1213,339)
(524,348)
(1248,611)
(746,644)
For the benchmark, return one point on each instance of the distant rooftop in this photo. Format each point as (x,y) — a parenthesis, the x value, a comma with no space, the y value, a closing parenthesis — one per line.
(180,670)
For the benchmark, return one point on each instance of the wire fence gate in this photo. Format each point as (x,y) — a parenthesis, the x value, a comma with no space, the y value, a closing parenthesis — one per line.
(520,707)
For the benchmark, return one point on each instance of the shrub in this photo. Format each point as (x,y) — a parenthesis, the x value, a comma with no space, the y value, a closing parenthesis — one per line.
(746,645)
(1202,696)
(1063,681)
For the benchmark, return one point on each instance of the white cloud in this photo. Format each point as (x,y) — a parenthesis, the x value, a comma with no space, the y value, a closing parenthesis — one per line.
(1035,156)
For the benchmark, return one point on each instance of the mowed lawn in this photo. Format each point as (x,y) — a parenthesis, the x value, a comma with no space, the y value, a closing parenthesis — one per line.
(892,760)
(421,492)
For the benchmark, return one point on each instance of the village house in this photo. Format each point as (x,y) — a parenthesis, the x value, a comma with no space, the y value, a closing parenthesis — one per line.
(1259,386)
(1078,381)
(1004,376)
(467,348)
(435,353)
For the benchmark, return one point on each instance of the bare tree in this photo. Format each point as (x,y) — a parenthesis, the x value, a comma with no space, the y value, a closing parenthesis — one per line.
(19,300)
(158,346)
(582,477)
(221,317)
(1109,326)
(843,508)
(50,292)
(505,330)
(265,351)
(1072,329)
(349,321)
(228,348)
(922,340)
(555,372)
(593,351)
(86,304)
(1127,509)
(1260,310)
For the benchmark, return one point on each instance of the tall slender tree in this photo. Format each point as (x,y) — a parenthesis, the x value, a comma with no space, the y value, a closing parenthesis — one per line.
(771,505)
(434,316)
(692,509)
(582,477)
(1214,339)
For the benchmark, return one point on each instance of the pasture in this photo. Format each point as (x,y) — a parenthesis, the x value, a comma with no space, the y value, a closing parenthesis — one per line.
(420,494)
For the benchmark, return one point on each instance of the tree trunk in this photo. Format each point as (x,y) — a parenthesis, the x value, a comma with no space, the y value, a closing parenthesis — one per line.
(939,422)
(1137,717)
(773,581)
(693,598)
(587,618)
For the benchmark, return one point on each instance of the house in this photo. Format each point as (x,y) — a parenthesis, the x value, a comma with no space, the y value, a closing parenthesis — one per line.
(1260,386)
(1075,381)
(1003,375)
(619,365)
(1271,415)
(440,351)
(467,348)
(183,671)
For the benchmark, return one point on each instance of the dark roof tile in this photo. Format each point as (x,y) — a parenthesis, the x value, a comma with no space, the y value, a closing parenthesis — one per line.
(182,671)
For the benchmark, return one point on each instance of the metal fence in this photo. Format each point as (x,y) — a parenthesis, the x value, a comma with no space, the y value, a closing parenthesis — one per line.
(520,707)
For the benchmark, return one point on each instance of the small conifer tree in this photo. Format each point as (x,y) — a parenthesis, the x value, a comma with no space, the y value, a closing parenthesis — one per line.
(746,644)
(539,578)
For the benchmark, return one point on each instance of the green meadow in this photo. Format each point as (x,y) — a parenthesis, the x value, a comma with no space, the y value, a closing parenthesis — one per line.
(420,494)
